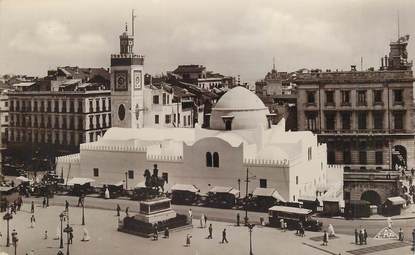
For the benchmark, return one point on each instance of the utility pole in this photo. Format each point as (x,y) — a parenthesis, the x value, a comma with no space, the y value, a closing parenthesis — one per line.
(246,197)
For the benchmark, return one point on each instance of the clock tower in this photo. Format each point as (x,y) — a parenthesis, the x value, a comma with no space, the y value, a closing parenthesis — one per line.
(127,99)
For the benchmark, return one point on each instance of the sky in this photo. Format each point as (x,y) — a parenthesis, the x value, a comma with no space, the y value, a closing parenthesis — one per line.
(233,37)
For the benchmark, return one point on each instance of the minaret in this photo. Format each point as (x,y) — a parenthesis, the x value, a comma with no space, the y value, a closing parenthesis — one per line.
(127,71)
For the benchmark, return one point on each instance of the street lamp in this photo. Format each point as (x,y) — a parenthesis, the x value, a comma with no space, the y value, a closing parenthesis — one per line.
(61,238)
(247,180)
(68,230)
(83,212)
(15,240)
(7,217)
(250,227)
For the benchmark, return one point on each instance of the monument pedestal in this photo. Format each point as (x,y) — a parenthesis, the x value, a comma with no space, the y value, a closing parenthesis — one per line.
(154,212)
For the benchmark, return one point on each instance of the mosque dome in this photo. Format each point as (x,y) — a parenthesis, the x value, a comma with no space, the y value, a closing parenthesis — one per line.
(239,98)
(240,106)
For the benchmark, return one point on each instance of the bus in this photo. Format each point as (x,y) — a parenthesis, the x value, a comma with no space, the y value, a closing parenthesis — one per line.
(293,216)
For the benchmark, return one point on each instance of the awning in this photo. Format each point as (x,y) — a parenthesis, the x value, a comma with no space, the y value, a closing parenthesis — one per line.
(120,183)
(80,181)
(140,185)
(396,200)
(184,187)
(287,209)
(23,179)
(268,192)
(221,189)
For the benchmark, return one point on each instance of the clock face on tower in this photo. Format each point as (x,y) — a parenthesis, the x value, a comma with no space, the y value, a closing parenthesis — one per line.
(120,80)
(137,79)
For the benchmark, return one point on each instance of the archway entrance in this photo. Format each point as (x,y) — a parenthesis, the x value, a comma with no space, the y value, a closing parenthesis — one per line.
(371,196)
(399,157)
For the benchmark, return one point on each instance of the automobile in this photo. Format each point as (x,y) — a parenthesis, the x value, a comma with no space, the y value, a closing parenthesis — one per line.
(293,216)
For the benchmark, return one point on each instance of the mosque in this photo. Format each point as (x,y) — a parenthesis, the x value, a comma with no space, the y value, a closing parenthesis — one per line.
(239,139)
(240,136)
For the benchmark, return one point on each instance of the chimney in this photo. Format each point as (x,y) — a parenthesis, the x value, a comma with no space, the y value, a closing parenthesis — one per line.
(382,63)
(386,61)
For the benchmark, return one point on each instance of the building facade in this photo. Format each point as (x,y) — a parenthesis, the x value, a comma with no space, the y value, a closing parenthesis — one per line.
(240,137)
(364,117)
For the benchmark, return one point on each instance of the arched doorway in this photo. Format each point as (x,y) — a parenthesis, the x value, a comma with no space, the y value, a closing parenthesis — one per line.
(399,157)
(371,196)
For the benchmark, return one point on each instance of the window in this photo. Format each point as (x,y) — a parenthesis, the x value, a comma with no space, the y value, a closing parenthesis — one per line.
(377,96)
(164,98)
(361,120)
(262,183)
(329,97)
(378,120)
(345,97)
(168,118)
(346,123)
(156,99)
(63,106)
(156,119)
(130,174)
(91,107)
(96,172)
(91,137)
(184,120)
(56,105)
(49,107)
(215,159)
(311,121)
(174,118)
(165,177)
(104,105)
(97,105)
(296,180)
(209,159)
(188,121)
(311,99)
(71,106)
(330,121)
(361,97)
(398,120)
(378,157)
(347,156)
(398,96)
(362,157)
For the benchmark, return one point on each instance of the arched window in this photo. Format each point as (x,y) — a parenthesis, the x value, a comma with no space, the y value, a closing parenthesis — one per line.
(208,159)
(215,159)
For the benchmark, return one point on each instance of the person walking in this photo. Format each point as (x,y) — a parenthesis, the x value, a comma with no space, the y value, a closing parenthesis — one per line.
(224,239)
(285,226)
(282,224)
(79,201)
(118,210)
(190,216)
(85,237)
(201,221)
(32,207)
(205,219)
(70,237)
(44,202)
(238,219)
(66,205)
(32,221)
(210,232)
(356,236)
(364,236)
(156,232)
(361,237)
(166,233)
(188,237)
(412,171)
(325,238)
(400,234)
(126,211)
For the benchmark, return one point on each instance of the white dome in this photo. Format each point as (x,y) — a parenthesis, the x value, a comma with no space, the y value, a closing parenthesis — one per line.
(245,108)
(239,98)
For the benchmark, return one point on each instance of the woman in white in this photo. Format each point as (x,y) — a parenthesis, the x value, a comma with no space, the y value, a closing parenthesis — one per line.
(86,237)
(107,193)
(330,231)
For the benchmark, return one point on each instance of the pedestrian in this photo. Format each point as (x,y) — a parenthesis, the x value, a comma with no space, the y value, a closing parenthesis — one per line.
(66,205)
(46,235)
(285,226)
(201,221)
(32,207)
(155,233)
(32,221)
(44,202)
(190,216)
(361,237)
(282,224)
(364,236)
(118,210)
(166,233)
(85,237)
(325,238)
(412,171)
(356,236)
(302,231)
(205,218)
(330,229)
(238,219)
(126,211)
(188,237)
(400,234)
(107,193)
(298,228)
(210,231)
(19,203)
(70,237)
(79,201)
(224,236)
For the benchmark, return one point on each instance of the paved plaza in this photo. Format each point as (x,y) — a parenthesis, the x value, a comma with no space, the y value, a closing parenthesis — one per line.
(105,239)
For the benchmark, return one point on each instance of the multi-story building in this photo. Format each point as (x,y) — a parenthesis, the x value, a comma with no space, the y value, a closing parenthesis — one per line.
(4,115)
(57,113)
(363,116)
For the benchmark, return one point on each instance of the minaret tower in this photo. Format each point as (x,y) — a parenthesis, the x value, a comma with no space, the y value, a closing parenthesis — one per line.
(127,68)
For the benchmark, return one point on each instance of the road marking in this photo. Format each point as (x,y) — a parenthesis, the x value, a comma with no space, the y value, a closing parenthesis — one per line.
(377,248)
(320,249)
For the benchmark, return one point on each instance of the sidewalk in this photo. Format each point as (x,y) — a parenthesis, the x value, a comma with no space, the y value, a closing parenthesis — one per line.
(105,239)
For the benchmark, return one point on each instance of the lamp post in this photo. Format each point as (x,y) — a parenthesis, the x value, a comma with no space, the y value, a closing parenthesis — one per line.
(250,227)
(68,230)
(7,217)
(83,212)
(61,238)
(15,240)
(247,180)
